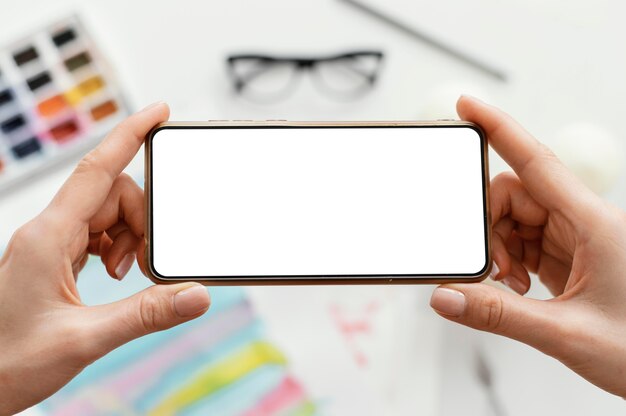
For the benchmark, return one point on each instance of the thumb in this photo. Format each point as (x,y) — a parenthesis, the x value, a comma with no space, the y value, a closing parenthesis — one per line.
(479,306)
(154,309)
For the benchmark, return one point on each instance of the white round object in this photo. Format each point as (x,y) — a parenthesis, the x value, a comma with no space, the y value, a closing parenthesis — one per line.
(593,154)
(440,103)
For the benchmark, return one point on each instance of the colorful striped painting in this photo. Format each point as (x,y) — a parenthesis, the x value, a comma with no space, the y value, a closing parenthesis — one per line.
(219,364)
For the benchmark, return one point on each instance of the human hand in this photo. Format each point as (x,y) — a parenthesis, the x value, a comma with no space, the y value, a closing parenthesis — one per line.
(546,222)
(47,335)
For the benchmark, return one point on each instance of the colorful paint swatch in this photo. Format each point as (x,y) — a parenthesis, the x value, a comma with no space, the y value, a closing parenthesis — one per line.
(13,123)
(52,105)
(77,61)
(64,36)
(57,99)
(64,131)
(103,110)
(26,148)
(85,89)
(5,97)
(25,55)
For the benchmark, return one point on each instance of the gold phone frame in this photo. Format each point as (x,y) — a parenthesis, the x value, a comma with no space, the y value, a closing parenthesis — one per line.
(314,280)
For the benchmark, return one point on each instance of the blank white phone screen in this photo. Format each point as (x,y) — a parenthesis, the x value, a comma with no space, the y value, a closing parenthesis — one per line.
(318,201)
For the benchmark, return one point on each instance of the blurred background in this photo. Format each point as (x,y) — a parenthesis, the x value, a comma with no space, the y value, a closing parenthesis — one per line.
(557,66)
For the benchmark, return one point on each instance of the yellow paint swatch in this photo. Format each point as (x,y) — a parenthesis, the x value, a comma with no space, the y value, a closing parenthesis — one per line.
(84,89)
(223,373)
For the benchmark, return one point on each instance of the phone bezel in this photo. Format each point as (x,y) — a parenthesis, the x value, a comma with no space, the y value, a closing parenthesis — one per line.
(156,277)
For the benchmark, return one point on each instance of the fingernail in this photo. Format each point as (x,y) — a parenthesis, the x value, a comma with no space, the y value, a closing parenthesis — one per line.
(191,301)
(495,270)
(448,301)
(122,269)
(514,284)
(151,106)
(471,97)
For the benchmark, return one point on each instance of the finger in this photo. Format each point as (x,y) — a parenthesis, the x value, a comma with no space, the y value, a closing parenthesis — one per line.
(87,188)
(119,227)
(540,324)
(507,256)
(518,278)
(104,247)
(99,245)
(117,254)
(122,254)
(545,177)
(530,256)
(154,309)
(94,243)
(124,203)
(526,252)
(515,247)
(141,247)
(502,258)
(529,232)
(509,197)
(512,208)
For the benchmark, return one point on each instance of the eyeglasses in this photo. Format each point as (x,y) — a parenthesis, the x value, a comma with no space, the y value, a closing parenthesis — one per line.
(265,78)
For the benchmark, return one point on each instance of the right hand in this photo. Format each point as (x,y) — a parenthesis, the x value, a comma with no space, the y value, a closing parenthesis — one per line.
(545,221)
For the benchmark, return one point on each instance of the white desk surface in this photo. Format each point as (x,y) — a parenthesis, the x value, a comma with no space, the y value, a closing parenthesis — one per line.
(565,65)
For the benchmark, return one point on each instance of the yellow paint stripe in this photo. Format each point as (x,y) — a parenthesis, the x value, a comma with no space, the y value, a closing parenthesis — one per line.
(220,375)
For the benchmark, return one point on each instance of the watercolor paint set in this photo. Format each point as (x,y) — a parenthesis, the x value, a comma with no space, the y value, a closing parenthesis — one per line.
(58,99)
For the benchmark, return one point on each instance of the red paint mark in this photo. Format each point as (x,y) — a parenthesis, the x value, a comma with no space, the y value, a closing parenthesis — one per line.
(352,327)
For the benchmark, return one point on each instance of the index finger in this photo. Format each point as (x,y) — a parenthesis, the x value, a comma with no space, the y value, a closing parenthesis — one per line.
(545,177)
(87,188)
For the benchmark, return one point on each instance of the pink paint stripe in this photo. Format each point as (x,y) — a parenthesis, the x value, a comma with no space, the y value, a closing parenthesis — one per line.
(284,396)
(77,408)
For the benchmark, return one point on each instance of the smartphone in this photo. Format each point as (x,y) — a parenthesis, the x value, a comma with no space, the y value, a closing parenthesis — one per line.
(278,202)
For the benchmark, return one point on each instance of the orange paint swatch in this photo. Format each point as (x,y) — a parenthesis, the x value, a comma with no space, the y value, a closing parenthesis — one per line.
(103,110)
(51,106)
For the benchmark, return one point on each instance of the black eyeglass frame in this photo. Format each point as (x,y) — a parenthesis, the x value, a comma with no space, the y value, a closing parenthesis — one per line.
(300,64)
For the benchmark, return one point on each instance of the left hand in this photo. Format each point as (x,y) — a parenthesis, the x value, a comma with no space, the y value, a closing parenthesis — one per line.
(47,335)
